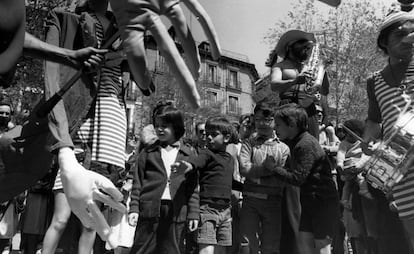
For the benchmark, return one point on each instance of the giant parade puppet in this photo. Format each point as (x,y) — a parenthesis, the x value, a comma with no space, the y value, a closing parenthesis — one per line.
(27,155)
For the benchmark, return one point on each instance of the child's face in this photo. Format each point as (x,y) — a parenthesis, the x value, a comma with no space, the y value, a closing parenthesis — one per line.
(216,141)
(283,130)
(165,131)
(264,124)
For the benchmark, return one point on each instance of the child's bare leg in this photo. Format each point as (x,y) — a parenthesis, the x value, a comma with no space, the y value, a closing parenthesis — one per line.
(206,249)
(323,245)
(306,243)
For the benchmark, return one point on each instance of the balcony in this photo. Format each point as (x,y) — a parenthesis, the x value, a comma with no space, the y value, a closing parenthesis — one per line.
(131,95)
(160,67)
(233,86)
(211,81)
(233,111)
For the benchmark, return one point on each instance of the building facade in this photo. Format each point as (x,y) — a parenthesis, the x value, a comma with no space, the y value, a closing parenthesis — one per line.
(226,86)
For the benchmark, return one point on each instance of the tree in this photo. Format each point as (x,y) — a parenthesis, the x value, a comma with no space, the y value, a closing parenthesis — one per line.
(347,35)
(167,89)
(27,87)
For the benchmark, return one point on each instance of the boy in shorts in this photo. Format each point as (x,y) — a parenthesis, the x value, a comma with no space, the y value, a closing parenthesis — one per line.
(215,169)
(309,168)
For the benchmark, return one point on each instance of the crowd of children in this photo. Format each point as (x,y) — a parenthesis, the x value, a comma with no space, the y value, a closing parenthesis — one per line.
(261,185)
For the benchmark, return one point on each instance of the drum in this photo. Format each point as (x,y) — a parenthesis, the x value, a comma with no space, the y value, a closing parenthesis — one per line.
(393,157)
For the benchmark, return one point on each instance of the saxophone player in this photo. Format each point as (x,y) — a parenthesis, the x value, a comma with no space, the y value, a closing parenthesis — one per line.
(289,77)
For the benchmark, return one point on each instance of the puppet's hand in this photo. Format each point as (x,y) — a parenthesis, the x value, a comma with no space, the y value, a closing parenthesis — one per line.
(82,187)
(134,17)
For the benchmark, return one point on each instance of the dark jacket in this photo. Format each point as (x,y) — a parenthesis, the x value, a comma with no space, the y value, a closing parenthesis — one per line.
(215,174)
(309,168)
(150,180)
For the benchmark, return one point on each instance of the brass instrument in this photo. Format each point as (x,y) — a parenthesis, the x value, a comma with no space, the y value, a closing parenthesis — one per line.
(314,65)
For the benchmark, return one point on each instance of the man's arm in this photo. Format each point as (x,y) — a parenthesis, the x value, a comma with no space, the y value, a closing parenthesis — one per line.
(372,132)
(373,129)
(277,84)
(75,58)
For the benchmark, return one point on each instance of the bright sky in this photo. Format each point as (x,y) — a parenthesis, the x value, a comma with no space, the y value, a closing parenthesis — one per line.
(242,24)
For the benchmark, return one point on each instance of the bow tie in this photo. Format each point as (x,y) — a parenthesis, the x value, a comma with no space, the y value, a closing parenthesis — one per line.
(173,145)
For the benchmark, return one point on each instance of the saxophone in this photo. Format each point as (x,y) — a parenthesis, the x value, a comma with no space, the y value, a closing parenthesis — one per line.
(316,67)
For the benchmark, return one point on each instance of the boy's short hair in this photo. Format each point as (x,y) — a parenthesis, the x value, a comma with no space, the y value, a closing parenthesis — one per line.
(264,108)
(245,116)
(292,114)
(236,125)
(356,126)
(171,115)
(223,125)
(5,101)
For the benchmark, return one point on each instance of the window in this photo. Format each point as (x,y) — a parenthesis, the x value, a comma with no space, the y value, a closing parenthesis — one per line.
(160,65)
(211,98)
(212,73)
(233,104)
(233,81)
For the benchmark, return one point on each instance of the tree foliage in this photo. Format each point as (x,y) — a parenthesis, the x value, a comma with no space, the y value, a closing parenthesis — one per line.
(167,89)
(348,38)
(27,87)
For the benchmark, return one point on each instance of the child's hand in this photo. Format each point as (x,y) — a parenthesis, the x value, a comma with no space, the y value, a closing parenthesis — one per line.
(393,206)
(369,148)
(181,166)
(269,163)
(192,225)
(127,185)
(133,219)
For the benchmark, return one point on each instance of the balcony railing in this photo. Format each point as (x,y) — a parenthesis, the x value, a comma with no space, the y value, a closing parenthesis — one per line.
(131,96)
(233,85)
(209,80)
(233,111)
(161,67)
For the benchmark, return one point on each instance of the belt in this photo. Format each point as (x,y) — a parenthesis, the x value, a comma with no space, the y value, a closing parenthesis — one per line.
(256,195)
(166,202)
